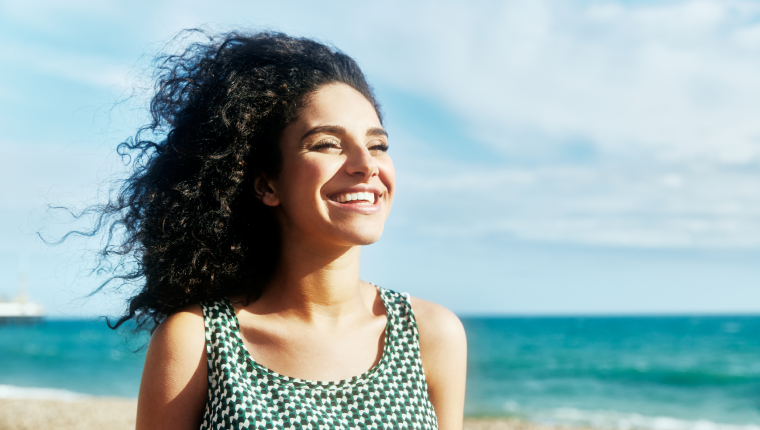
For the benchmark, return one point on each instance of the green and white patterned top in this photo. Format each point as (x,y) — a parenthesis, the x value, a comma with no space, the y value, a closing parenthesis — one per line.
(243,394)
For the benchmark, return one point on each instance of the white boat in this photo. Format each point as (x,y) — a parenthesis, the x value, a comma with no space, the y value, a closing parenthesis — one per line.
(20,311)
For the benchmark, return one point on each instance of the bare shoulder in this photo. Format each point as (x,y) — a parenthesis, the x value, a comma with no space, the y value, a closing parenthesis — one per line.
(174,381)
(181,330)
(436,324)
(443,350)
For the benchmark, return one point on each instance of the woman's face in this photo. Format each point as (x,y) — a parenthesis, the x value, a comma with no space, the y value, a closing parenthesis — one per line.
(337,180)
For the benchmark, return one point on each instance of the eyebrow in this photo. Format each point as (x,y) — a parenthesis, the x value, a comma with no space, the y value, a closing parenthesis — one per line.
(377,131)
(336,129)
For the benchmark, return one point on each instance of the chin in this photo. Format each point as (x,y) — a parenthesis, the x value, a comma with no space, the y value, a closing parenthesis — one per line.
(360,237)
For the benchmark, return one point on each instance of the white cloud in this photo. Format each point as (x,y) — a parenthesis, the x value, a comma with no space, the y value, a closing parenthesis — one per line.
(675,79)
(664,95)
(640,205)
(53,17)
(95,70)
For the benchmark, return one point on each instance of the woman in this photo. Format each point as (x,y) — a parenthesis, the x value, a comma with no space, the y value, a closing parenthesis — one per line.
(247,217)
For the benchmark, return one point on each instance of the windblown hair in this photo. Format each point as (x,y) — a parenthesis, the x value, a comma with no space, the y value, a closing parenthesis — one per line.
(193,228)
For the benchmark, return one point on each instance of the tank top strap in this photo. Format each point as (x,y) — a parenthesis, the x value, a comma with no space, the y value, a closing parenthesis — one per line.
(405,339)
(222,352)
(399,309)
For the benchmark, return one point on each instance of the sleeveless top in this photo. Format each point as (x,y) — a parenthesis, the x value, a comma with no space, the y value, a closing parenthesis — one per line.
(243,394)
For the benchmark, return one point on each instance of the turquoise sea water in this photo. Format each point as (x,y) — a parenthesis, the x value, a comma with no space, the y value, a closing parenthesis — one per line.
(79,356)
(656,372)
(664,373)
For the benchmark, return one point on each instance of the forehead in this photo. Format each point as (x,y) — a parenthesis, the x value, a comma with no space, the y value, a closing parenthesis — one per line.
(338,104)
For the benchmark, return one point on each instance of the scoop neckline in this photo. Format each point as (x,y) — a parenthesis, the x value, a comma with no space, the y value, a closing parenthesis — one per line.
(355,380)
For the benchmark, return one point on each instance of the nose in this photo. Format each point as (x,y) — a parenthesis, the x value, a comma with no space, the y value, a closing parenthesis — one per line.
(361,163)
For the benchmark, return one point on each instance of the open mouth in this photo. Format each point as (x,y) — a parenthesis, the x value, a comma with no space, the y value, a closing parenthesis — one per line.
(355,198)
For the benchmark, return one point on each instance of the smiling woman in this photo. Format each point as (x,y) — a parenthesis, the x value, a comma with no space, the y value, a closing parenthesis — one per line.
(266,171)
(335,165)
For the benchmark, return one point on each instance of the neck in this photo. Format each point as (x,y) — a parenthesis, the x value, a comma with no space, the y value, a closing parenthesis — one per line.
(315,282)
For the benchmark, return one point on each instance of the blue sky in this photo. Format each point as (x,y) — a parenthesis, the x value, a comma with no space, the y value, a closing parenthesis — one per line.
(553,157)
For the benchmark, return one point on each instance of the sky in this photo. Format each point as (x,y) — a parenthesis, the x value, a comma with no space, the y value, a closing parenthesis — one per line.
(553,157)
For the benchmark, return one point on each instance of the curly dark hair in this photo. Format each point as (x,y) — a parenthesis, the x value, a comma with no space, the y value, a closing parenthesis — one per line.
(191,225)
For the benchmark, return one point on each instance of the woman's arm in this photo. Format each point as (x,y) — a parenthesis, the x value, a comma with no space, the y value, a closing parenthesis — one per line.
(174,379)
(443,347)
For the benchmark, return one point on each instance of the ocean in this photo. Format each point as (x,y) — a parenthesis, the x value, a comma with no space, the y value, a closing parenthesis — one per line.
(665,373)
(660,373)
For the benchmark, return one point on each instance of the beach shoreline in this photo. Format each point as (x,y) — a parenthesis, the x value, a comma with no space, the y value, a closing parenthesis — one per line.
(86,413)
(113,413)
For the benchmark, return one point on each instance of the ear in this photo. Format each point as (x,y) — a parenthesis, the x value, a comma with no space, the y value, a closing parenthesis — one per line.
(265,191)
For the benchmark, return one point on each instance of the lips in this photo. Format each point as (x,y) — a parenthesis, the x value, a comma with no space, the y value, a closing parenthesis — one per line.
(358,200)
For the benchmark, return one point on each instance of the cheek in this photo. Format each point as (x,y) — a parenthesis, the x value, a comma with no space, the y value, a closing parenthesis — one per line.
(306,178)
(388,175)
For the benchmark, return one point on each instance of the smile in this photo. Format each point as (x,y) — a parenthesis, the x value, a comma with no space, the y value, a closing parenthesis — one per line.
(354,198)
(360,202)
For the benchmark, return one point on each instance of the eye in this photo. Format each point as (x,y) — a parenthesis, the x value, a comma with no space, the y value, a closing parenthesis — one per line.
(325,145)
(379,147)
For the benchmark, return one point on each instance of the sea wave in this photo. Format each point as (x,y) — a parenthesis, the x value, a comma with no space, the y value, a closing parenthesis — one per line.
(627,421)
(639,374)
(13,392)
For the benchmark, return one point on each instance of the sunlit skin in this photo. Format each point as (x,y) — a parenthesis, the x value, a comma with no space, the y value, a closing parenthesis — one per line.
(316,319)
(317,293)
(337,143)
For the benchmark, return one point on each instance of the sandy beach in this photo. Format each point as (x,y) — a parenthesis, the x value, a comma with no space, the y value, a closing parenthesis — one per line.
(119,414)
(85,414)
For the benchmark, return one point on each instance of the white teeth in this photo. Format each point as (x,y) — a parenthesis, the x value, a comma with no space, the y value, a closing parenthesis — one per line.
(369,197)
